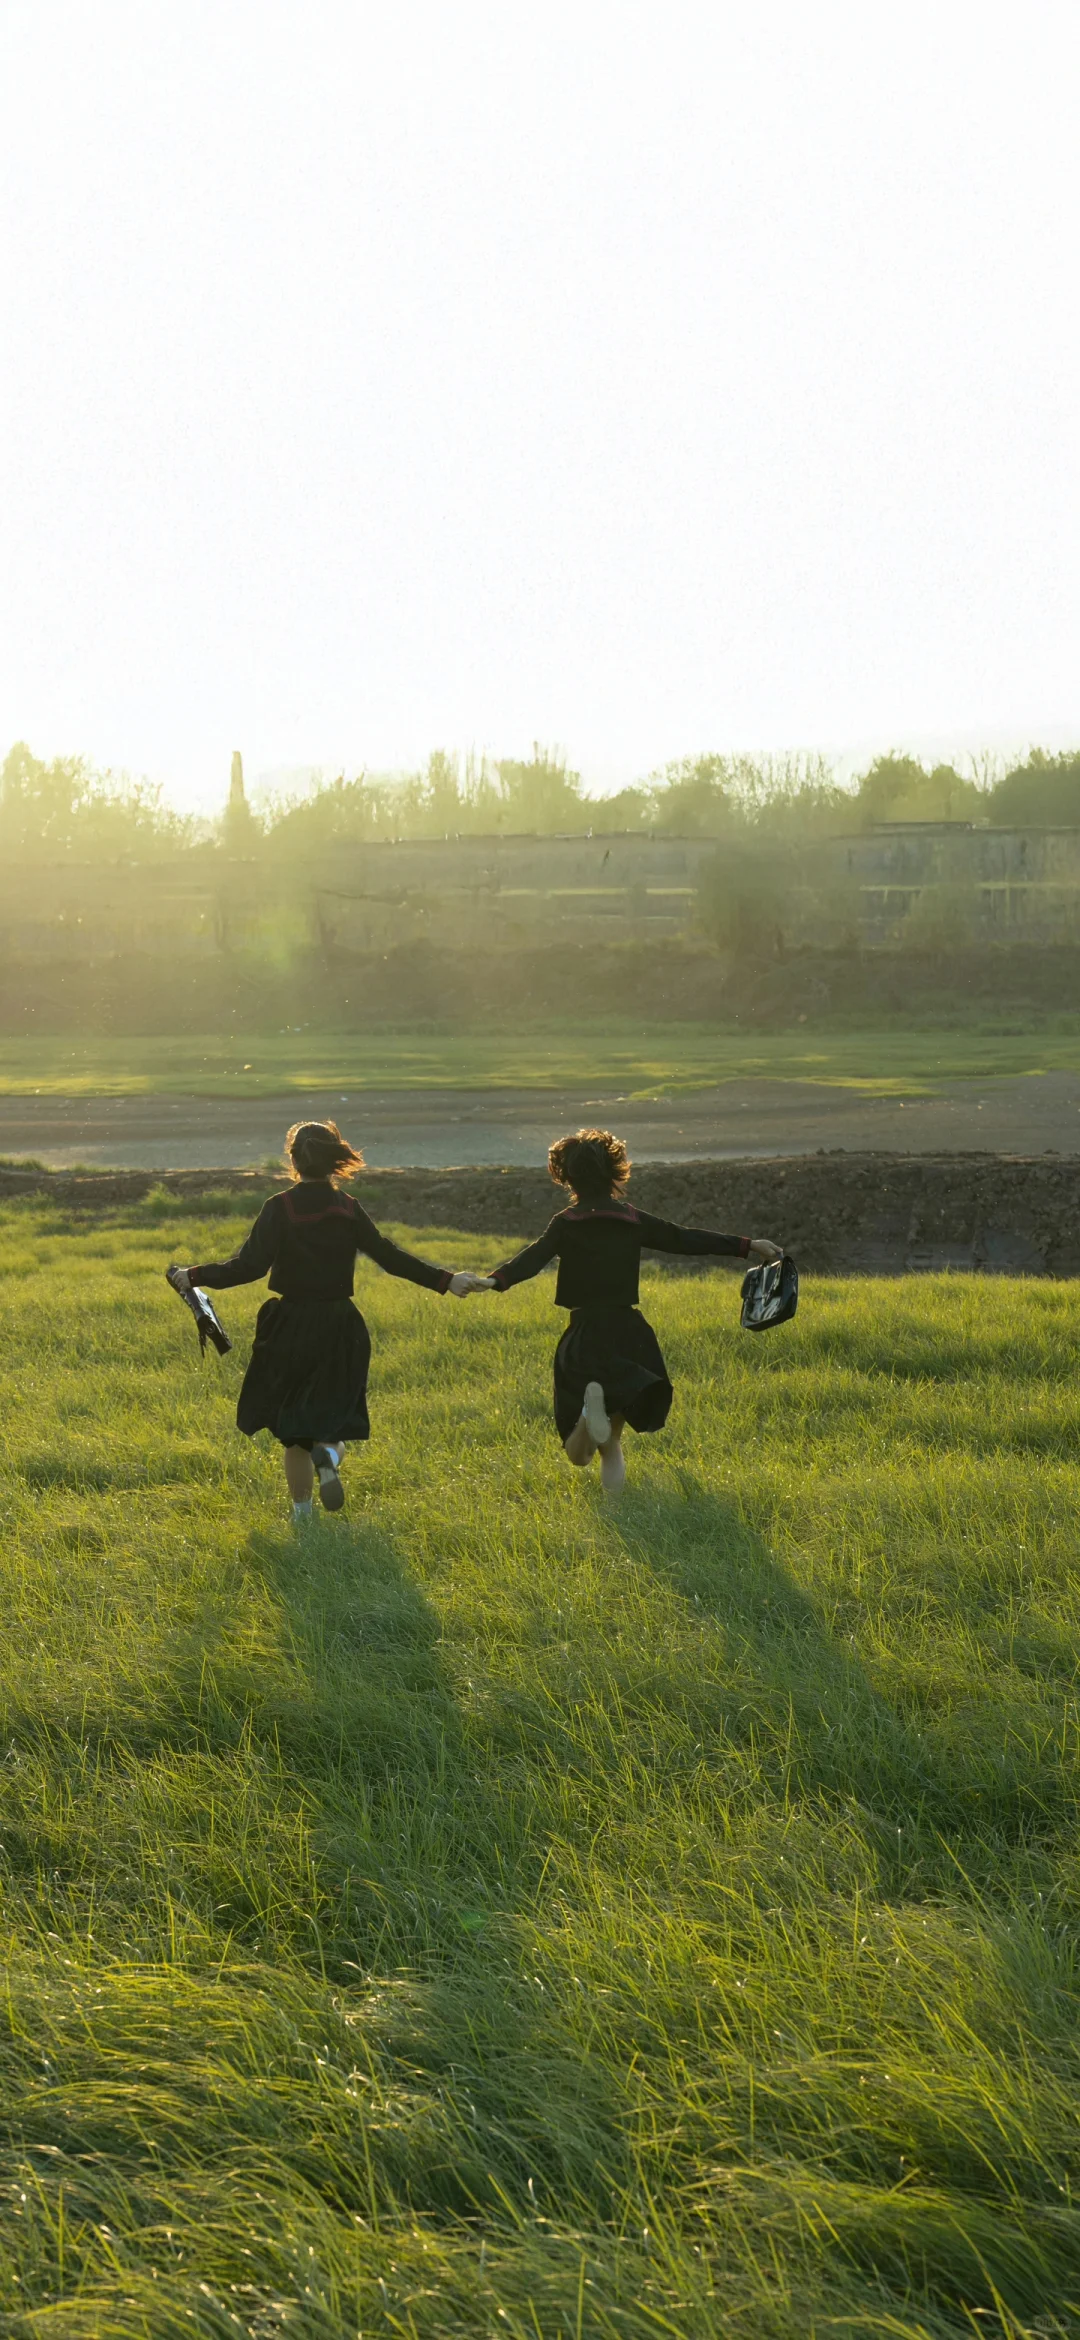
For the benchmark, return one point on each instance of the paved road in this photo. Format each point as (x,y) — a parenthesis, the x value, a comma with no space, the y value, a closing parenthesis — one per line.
(434,1129)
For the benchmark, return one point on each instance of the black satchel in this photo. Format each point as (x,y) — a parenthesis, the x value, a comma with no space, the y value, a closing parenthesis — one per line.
(208,1323)
(770,1294)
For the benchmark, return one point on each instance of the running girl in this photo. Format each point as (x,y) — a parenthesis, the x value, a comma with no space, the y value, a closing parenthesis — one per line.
(609,1369)
(307,1379)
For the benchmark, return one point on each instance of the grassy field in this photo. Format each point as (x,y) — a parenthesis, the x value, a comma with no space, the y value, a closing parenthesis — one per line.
(492,1912)
(662,1061)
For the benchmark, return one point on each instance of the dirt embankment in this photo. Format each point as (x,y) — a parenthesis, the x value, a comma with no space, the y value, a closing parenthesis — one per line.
(841,1213)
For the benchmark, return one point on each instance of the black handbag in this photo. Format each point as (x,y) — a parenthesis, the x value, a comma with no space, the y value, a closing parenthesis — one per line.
(770,1294)
(208,1323)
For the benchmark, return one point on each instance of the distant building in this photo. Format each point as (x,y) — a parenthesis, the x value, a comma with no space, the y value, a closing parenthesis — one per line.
(931,884)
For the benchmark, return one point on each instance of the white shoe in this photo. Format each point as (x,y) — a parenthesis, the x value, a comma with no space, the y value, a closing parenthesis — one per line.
(327,1463)
(595,1415)
(613,1471)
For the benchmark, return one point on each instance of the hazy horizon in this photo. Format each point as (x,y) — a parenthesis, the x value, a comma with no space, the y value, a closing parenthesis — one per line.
(277,783)
(640,381)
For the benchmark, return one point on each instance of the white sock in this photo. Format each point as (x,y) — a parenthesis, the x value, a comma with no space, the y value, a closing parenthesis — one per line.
(302,1510)
(595,1415)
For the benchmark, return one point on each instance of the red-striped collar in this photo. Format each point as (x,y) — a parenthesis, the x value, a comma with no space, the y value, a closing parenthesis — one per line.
(339,1208)
(623,1211)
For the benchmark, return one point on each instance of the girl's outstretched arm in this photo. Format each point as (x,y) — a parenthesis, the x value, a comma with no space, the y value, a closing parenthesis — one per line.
(702,1242)
(254,1259)
(398,1262)
(528,1262)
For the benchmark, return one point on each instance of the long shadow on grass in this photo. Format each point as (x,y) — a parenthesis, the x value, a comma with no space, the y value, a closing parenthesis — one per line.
(316,1805)
(429,1849)
(820,1727)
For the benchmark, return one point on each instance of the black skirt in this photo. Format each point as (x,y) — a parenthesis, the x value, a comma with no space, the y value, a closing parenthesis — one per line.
(307,1379)
(618,1348)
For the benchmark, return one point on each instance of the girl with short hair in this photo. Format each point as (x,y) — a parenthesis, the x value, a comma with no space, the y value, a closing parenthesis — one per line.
(307,1379)
(609,1368)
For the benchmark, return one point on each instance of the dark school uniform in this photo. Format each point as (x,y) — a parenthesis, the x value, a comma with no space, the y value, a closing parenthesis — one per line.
(608,1340)
(307,1379)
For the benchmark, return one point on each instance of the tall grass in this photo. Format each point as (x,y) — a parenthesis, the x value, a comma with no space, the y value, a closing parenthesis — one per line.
(496,1912)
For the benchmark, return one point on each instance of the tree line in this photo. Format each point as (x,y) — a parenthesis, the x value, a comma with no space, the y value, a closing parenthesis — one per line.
(65,809)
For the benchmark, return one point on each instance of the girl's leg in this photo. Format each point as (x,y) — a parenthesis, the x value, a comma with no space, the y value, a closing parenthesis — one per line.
(299,1474)
(612,1459)
(326,1457)
(592,1430)
(580,1448)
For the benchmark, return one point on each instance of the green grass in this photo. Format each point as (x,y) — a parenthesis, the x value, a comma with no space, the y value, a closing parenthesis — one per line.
(661,1061)
(492,1912)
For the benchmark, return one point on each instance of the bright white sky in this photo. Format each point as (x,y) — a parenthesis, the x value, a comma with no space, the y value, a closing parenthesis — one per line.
(637,375)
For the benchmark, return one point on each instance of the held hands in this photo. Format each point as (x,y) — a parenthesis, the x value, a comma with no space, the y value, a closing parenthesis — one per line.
(762,1248)
(461,1285)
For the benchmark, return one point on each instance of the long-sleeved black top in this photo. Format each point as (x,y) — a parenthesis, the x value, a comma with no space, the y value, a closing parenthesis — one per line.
(307,1240)
(599,1252)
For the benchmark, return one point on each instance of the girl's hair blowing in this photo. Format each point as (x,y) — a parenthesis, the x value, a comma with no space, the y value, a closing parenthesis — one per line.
(592,1163)
(316,1149)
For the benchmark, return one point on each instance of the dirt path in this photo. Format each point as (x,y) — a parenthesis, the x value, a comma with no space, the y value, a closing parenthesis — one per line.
(436,1129)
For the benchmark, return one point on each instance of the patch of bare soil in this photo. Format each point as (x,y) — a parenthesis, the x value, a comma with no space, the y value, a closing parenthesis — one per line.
(837,1213)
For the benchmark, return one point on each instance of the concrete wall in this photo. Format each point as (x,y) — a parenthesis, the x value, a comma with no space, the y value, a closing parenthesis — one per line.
(507,889)
(1003,882)
(938,882)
